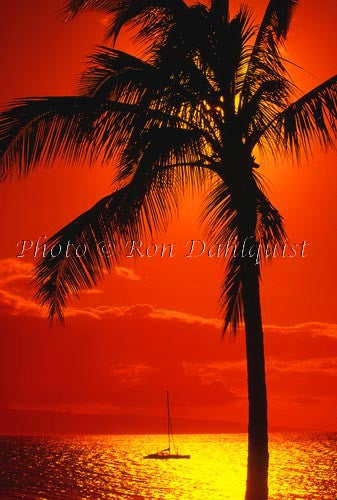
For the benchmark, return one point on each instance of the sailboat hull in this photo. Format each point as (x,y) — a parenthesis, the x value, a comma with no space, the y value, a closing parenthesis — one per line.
(166,453)
(165,456)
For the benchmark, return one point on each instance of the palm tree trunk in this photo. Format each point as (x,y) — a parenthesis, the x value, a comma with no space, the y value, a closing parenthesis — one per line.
(244,192)
(257,470)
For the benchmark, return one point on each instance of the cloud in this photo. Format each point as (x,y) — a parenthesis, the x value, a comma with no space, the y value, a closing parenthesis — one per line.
(214,370)
(127,273)
(16,292)
(10,268)
(306,366)
(168,314)
(92,291)
(16,297)
(125,357)
(289,342)
(314,328)
(15,288)
(13,304)
(151,312)
(131,374)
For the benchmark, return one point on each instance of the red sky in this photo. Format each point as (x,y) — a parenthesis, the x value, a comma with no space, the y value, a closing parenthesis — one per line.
(154,324)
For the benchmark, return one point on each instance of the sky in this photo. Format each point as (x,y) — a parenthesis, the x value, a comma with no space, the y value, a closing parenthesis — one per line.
(154,323)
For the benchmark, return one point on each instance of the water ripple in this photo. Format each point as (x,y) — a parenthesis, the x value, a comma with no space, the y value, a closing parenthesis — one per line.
(302,466)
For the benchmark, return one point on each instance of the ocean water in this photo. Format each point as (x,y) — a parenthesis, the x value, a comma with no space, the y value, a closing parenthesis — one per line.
(302,466)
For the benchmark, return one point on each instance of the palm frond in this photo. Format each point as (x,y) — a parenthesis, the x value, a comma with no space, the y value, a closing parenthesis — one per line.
(270,229)
(266,62)
(312,119)
(44,129)
(100,234)
(66,274)
(164,146)
(277,18)
(224,216)
(74,7)
(41,130)
(117,75)
(77,129)
(165,165)
(150,17)
(241,29)
(221,218)
(220,10)
(265,104)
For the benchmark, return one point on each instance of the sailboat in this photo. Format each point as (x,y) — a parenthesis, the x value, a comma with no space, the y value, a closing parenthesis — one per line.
(166,453)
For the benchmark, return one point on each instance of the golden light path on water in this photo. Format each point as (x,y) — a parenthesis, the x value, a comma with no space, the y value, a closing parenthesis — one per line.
(302,466)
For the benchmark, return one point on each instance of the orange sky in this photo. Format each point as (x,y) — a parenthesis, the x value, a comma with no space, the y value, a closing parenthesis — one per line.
(154,324)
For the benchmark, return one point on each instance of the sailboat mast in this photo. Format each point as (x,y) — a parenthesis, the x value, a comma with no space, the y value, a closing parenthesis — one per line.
(168,421)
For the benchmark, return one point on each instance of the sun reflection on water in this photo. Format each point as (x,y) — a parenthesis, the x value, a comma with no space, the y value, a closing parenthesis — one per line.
(95,467)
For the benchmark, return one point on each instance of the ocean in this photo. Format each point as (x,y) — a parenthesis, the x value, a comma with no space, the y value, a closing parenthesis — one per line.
(302,466)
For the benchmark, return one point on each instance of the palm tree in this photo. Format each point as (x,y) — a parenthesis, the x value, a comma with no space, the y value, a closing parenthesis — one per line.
(208,91)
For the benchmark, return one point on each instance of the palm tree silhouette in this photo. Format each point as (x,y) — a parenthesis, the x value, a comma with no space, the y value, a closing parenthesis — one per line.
(209,90)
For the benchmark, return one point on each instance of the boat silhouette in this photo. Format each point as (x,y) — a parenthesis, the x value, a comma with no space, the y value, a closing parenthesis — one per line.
(166,453)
